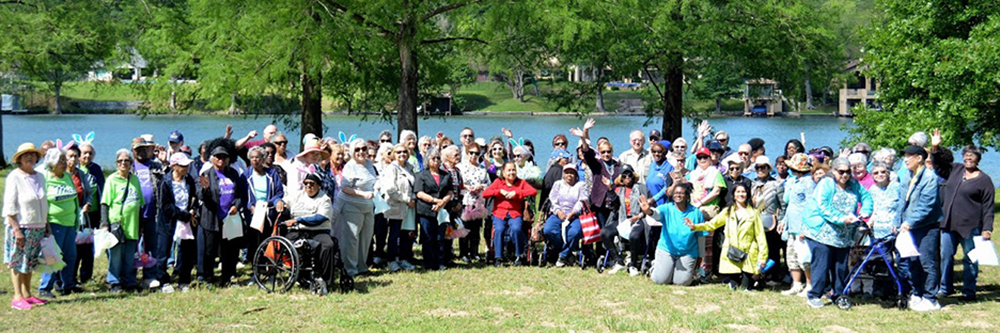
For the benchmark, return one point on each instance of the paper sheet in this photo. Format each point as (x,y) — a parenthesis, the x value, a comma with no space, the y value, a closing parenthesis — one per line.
(985,253)
(906,246)
(260,213)
(232,227)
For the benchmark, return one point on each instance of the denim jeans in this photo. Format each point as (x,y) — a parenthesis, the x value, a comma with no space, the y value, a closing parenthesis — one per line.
(66,240)
(970,271)
(511,227)
(429,241)
(162,252)
(827,262)
(924,269)
(400,245)
(553,233)
(121,264)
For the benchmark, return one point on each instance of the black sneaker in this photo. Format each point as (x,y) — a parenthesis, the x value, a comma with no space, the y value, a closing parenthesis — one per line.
(116,289)
(967,298)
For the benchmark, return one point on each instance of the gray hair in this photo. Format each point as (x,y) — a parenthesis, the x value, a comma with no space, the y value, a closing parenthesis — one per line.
(125,152)
(431,153)
(857,158)
(258,149)
(52,157)
(449,150)
(885,155)
(276,135)
(839,162)
(406,134)
(918,139)
(385,133)
(877,164)
(424,139)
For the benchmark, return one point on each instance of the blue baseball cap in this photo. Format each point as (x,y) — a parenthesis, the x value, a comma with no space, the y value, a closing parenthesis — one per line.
(176,137)
(561,153)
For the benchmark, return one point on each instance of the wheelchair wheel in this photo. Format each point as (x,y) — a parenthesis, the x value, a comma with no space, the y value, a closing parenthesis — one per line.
(601,261)
(902,303)
(276,265)
(844,303)
(318,287)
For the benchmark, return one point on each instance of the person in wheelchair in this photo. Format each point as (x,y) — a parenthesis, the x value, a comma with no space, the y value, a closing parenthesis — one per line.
(566,201)
(307,215)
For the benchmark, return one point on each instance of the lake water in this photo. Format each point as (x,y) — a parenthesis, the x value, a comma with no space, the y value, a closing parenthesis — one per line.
(115,131)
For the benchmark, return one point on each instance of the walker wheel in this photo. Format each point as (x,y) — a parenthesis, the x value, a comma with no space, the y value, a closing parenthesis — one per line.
(600,264)
(844,303)
(902,303)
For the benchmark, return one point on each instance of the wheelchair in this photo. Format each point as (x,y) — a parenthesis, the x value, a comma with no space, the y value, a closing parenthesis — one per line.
(279,263)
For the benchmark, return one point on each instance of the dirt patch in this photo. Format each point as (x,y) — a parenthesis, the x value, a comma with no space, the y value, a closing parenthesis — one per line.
(975,324)
(707,308)
(523,291)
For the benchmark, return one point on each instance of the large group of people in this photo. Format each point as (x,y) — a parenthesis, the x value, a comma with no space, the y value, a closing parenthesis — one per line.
(682,212)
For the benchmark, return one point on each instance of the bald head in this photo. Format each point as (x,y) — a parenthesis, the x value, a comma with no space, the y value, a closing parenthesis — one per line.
(636,139)
(269,131)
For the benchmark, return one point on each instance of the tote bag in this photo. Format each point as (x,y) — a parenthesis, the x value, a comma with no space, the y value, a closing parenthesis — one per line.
(591,230)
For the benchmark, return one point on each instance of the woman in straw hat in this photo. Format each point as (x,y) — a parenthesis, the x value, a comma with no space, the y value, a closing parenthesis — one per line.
(25,207)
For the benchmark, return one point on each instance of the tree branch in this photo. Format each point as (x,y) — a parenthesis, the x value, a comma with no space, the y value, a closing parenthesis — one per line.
(354,16)
(12,2)
(446,8)
(448,39)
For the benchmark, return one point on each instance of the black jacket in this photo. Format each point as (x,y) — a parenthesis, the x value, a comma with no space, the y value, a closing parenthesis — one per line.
(168,214)
(424,182)
(968,204)
(209,197)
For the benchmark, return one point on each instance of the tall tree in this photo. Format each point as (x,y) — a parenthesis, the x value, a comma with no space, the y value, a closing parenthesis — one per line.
(53,42)
(938,63)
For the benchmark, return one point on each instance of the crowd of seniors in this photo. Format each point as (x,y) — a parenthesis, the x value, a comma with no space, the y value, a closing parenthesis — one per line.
(680,213)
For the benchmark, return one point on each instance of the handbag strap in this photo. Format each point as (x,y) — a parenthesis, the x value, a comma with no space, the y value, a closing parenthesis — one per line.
(128,183)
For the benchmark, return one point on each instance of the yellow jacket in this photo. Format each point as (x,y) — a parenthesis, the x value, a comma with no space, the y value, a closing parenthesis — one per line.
(747,235)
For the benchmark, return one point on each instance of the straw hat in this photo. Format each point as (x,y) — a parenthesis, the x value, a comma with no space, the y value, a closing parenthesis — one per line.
(312,146)
(800,162)
(25,148)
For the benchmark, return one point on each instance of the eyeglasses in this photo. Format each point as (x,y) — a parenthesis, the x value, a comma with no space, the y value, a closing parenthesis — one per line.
(466,135)
(123,161)
(280,143)
(309,184)
(680,147)
(880,172)
(606,152)
(559,144)
(497,149)
(435,158)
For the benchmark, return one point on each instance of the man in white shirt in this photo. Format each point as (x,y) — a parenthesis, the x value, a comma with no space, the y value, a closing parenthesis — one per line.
(637,157)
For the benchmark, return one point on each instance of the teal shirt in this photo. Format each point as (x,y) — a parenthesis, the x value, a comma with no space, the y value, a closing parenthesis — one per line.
(830,205)
(676,237)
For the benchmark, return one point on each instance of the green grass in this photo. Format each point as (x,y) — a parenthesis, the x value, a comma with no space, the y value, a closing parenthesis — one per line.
(476,299)
(100,91)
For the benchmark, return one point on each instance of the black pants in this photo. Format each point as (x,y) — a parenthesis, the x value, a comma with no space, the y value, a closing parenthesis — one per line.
(744,280)
(608,234)
(642,243)
(381,237)
(400,245)
(211,245)
(324,261)
(468,246)
(775,251)
(186,259)
(85,252)
(717,241)
(164,243)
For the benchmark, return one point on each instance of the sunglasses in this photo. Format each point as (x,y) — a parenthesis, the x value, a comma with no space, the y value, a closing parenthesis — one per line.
(657,151)
(680,147)
(385,141)
(123,161)
(400,152)
(723,140)
(280,143)
(882,172)
(744,153)
(559,144)
(358,149)
(497,149)
(466,135)
(702,157)
(472,152)
(309,184)
(843,171)
(606,152)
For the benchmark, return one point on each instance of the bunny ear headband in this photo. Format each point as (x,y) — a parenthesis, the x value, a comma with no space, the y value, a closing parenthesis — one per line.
(84,140)
(345,140)
(518,143)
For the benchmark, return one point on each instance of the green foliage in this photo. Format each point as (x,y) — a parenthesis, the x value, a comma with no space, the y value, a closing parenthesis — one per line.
(939,67)
(56,41)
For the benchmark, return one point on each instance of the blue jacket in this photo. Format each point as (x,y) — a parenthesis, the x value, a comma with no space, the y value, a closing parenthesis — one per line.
(922,203)
(275,190)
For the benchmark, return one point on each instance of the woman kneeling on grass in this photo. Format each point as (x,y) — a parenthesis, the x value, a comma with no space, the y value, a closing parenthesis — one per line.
(677,250)
(745,248)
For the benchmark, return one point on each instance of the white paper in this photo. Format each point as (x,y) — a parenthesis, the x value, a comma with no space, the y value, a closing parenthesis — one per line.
(232,227)
(906,246)
(985,253)
(260,213)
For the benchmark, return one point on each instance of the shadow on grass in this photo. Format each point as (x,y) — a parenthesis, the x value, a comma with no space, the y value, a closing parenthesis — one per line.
(474,102)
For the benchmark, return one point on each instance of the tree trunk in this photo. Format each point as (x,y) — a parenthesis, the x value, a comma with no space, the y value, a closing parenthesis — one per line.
(57,88)
(673,105)
(600,90)
(519,85)
(312,104)
(232,103)
(407,103)
(809,89)
(173,100)
(718,105)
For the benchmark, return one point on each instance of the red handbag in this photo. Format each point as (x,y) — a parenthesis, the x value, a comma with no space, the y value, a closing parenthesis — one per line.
(591,229)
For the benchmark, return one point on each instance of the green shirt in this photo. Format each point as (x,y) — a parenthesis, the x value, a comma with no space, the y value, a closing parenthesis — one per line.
(63,201)
(121,209)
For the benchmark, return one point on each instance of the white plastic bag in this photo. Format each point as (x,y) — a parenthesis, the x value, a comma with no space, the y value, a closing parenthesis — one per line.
(183,231)
(906,246)
(802,249)
(103,241)
(232,227)
(85,236)
(443,216)
(381,206)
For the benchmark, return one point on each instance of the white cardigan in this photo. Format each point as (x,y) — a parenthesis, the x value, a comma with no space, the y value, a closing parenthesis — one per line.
(26,203)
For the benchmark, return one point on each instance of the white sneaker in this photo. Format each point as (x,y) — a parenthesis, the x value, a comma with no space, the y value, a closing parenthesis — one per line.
(560,263)
(151,284)
(378,260)
(916,303)
(633,271)
(184,288)
(796,288)
(406,265)
(931,305)
(616,268)
(167,289)
(805,291)
(240,265)
(394,266)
